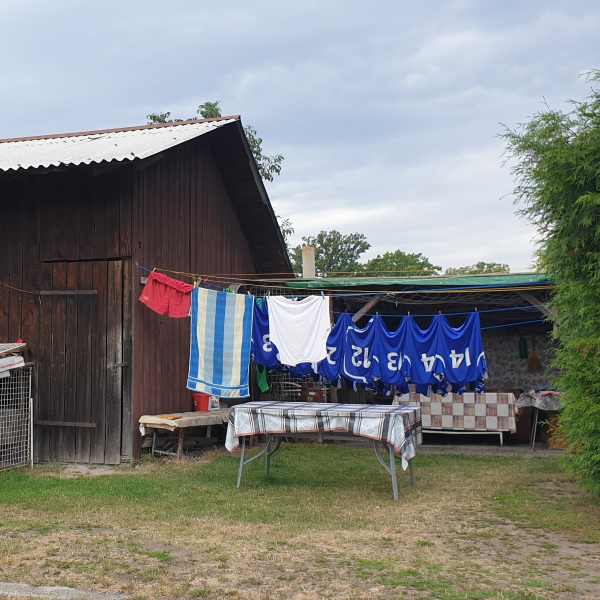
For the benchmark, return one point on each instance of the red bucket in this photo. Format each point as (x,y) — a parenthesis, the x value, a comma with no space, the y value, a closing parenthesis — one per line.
(205,402)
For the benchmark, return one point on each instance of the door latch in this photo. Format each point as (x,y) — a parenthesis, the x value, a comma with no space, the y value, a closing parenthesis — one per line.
(118,366)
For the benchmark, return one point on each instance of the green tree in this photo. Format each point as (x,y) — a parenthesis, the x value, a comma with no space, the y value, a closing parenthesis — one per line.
(400,263)
(557,177)
(479,268)
(287,229)
(334,251)
(268,166)
(209,110)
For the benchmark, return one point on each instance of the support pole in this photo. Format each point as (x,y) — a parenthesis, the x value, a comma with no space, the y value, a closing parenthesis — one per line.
(243,443)
(368,306)
(31,428)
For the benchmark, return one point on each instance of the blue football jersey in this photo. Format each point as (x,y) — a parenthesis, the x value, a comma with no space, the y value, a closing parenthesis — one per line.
(389,349)
(264,351)
(329,367)
(463,350)
(359,361)
(424,365)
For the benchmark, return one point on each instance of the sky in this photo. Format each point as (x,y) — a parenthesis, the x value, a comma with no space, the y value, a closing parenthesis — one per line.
(388,113)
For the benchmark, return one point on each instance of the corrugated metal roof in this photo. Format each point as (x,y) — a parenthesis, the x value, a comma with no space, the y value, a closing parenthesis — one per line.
(488,280)
(98,146)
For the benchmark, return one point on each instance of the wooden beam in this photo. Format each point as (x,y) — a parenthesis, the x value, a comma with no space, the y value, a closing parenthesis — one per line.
(538,304)
(368,306)
(65,424)
(68,292)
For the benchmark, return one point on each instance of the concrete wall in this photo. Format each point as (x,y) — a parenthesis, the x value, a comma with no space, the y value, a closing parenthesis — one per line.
(506,369)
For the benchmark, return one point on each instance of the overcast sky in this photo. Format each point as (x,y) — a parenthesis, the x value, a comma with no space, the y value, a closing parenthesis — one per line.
(387,112)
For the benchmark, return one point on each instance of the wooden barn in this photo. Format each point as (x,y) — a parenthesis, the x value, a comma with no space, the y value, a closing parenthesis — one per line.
(80,214)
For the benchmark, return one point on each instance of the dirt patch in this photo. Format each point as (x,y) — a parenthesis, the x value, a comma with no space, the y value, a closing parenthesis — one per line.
(447,539)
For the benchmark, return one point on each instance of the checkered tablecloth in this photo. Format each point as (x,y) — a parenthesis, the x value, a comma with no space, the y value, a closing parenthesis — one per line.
(468,412)
(397,425)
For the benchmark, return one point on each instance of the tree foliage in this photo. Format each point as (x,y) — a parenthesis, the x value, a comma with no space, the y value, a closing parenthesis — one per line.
(401,263)
(479,268)
(268,166)
(334,251)
(287,229)
(558,183)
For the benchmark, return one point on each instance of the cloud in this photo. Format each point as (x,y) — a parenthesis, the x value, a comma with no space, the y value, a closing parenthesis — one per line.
(387,114)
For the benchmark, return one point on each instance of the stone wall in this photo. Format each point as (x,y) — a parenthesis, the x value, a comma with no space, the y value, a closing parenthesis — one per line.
(506,369)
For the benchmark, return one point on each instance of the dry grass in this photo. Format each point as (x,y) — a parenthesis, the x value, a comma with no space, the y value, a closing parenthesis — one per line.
(323,526)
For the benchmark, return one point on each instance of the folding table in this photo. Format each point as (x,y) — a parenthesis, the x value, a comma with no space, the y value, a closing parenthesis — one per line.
(397,428)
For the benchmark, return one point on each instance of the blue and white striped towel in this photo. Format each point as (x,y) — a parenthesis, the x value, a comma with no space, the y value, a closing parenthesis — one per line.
(220,344)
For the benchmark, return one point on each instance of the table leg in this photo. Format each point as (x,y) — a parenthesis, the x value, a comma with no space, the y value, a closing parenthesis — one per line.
(243,443)
(412,472)
(393,472)
(534,428)
(153,442)
(392,468)
(268,469)
(208,430)
(180,446)
(501,440)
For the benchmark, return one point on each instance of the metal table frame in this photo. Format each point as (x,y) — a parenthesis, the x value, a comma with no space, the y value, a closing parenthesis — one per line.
(391,469)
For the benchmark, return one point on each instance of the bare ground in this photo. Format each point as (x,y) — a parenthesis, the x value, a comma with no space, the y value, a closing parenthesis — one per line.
(445,544)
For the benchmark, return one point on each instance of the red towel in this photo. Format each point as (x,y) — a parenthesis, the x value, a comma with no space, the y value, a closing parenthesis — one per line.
(163,294)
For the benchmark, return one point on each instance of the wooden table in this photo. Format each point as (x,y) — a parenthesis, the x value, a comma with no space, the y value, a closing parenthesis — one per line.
(188,420)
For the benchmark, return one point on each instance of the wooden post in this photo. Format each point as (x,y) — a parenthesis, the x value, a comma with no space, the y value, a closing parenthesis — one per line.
(180,446)
(368,306)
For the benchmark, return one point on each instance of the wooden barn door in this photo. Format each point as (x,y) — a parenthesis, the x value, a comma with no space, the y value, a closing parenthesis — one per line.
(85,351)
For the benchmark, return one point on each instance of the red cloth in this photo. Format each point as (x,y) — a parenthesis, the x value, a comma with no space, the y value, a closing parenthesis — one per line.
(163,294)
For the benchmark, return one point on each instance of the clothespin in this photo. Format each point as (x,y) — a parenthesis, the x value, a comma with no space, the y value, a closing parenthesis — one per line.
(322,294)
(440,313)
(475,309)
(346,311)
(409,313)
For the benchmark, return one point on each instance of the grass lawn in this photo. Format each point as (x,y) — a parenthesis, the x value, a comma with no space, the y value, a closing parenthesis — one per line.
(324,525)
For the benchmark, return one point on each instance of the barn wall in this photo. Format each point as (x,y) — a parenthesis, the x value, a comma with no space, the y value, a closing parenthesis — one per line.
(183,220)
(69,230)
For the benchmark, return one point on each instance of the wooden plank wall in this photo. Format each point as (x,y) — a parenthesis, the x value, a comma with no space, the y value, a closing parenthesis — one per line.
(69,230)
(184,220)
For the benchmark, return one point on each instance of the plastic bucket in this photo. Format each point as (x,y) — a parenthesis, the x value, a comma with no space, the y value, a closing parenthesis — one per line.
(201,402)
(204,402)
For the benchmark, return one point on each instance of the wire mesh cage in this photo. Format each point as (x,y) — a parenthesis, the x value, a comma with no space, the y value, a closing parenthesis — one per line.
(15,418)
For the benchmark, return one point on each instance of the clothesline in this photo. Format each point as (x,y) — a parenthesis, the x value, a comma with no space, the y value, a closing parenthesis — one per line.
(466,289)
(512,324)
(150,271)
(337,312)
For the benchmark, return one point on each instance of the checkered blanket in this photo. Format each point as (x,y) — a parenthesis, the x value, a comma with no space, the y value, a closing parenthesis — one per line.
(469,411)
(397,425)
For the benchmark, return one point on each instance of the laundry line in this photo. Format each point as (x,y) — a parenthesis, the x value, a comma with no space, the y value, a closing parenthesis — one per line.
(492,310)
(466,289)
(513,324)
